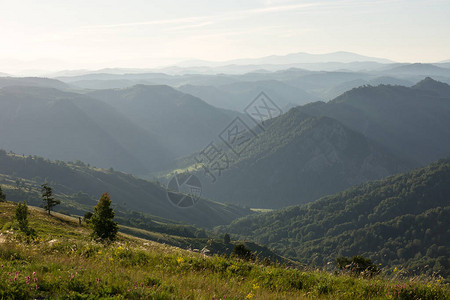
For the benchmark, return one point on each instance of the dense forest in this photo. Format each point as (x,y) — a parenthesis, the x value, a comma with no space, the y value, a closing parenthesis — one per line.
(403,220)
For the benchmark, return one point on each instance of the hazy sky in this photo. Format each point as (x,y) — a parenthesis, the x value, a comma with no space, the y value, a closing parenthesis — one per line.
(61,34)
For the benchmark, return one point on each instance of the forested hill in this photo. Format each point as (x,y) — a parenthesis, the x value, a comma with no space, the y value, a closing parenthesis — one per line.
(411,122)
(299,158)
(81,184)
(402,220)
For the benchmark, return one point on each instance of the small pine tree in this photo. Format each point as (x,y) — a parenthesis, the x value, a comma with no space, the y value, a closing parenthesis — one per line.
(22,218)
(2,195)
(226,238)
(102,222)
(47,197)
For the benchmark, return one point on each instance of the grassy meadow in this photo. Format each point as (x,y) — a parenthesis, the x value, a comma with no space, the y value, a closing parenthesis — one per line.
(62,262)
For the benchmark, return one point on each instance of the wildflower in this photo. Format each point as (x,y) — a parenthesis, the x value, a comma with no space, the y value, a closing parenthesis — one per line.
(37,287)
(395,269)
(180,260)
(250,295)
(34,274)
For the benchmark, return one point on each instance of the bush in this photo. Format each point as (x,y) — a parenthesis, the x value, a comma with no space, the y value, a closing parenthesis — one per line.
(22,219)
(358,265)
(243,252)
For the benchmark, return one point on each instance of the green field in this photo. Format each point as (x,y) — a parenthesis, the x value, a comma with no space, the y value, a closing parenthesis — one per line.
(63,263)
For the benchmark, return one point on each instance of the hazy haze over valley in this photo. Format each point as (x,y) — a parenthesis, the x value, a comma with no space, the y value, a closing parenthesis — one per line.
(199,149)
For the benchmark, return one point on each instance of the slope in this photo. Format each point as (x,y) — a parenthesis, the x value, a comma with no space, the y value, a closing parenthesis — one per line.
(239,94)
(402,220)
(183,122)
(70,126)
(297,159)
(33,81)
(127,191)
(411,122)
(62,262)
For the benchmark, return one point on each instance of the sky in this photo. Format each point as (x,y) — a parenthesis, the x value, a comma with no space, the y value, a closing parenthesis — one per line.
(55,34)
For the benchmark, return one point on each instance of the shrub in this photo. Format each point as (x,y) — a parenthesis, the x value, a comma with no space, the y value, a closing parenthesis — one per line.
(22,219)
(243,252)
(358,265)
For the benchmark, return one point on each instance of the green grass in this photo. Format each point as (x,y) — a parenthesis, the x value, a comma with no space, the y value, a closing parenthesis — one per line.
(63,263)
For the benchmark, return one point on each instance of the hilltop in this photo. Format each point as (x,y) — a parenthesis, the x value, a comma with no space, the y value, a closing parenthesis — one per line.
(299,158)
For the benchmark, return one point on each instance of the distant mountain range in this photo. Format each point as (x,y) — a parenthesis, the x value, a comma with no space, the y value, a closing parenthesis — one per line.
(182,122)
(32,81)
(417,69)
(320,148)
(69,126)
(301,57)
(139,129)
(411,122)
(291,83)
(238,95)
(364,134)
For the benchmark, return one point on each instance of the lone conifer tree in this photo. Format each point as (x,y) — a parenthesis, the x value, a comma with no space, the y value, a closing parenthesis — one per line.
(2,195)
(102,220)
(226,238)
(47,197)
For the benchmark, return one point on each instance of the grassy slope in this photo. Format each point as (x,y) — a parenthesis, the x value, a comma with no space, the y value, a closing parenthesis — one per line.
(63,263)
(127,191)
